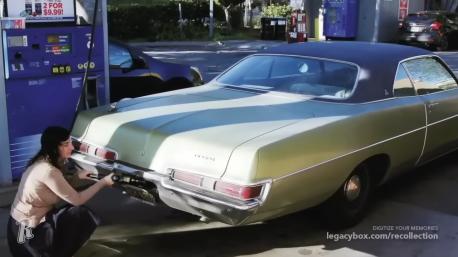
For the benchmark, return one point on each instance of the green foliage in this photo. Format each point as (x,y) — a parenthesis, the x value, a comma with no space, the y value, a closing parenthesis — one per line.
(277,10)
(227,3)
(155,20)
(161,22)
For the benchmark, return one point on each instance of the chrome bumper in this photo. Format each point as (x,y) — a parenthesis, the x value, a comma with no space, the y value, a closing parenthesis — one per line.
(151,186)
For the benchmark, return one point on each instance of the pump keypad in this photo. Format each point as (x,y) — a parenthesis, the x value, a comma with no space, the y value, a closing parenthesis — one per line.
(61,69)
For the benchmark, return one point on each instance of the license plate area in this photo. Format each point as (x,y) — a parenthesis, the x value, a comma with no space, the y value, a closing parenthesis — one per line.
(416,28)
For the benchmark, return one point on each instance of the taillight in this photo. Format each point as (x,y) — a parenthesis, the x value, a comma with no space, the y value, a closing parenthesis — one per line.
(187,177)
(401,25)
(238,191)
(436,25)
(105,154)
(241,192)
(84,148)
(94,150)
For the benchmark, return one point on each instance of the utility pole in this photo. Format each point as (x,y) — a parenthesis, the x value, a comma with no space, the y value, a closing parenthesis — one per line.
(181,19)
(212,22)
(248,14)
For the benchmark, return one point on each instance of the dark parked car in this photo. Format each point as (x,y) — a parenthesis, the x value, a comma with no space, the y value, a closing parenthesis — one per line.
(133,73)
(436,30)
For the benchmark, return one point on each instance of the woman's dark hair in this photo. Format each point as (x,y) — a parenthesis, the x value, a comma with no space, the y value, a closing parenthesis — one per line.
(51,138)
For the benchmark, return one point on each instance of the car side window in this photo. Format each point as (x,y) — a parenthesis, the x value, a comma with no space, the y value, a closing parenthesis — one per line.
(119,56)
(260,70)
(402,84)
(285,67)
(429,75)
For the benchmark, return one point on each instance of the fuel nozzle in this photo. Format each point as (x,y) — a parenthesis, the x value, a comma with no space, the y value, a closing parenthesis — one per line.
(115,178)
(123,179)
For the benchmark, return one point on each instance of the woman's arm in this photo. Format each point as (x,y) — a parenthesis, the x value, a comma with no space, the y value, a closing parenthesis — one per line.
(57,183)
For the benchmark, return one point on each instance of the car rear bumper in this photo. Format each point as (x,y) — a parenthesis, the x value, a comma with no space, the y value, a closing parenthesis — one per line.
(153,187)
(420,38)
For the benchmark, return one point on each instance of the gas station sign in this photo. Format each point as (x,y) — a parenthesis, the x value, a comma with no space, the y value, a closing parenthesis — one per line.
(403,9)
(42,11)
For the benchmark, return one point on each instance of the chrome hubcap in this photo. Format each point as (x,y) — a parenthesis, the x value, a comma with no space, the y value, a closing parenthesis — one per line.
(352,188)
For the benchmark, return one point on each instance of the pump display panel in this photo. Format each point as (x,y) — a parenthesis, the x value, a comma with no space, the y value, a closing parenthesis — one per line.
(17,41)
(59,44)
(42,11)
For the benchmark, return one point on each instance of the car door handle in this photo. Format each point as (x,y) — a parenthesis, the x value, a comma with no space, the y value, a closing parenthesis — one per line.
(431,106)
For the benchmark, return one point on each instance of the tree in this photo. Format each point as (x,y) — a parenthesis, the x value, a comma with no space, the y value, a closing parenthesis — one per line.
(248,14)
(227,5)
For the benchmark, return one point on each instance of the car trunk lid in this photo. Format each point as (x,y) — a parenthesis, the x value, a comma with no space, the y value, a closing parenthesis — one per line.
(197,130)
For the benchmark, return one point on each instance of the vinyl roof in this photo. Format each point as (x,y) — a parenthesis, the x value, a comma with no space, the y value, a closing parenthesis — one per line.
(378,62)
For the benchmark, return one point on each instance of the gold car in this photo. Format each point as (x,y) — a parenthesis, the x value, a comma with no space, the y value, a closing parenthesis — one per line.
(283,130)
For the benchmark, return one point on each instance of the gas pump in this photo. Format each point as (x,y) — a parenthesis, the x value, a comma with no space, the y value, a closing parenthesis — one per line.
(45,49)
(297,29)
(340,18)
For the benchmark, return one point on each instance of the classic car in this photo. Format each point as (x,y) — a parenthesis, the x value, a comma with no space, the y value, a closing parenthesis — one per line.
(134,73)
(290,128)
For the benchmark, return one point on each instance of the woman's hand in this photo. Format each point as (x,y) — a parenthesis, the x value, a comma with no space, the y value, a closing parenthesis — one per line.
(108,179)
(84,174)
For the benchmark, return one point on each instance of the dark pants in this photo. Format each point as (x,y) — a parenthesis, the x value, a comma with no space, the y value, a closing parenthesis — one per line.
(65,230)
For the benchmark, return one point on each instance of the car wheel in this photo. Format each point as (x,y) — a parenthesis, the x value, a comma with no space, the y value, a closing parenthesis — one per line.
(348,205)
(444,44)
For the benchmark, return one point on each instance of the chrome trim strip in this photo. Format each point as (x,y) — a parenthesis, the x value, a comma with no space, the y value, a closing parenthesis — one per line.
(246,207)
(344,155)
(267,183)
(438,156)
(445,119)
(377,143)
(426,136)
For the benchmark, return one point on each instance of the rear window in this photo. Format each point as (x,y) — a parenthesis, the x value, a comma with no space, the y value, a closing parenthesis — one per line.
(422,16)
(291,74)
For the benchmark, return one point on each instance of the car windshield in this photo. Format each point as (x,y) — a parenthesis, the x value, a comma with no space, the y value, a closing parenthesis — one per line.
(292,74)
(119,56)
(421,16)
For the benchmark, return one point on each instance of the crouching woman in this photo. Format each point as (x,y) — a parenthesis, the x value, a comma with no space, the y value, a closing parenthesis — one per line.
(35,226)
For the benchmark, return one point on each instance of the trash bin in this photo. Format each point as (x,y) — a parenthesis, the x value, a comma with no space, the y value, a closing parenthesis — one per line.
(273,28)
